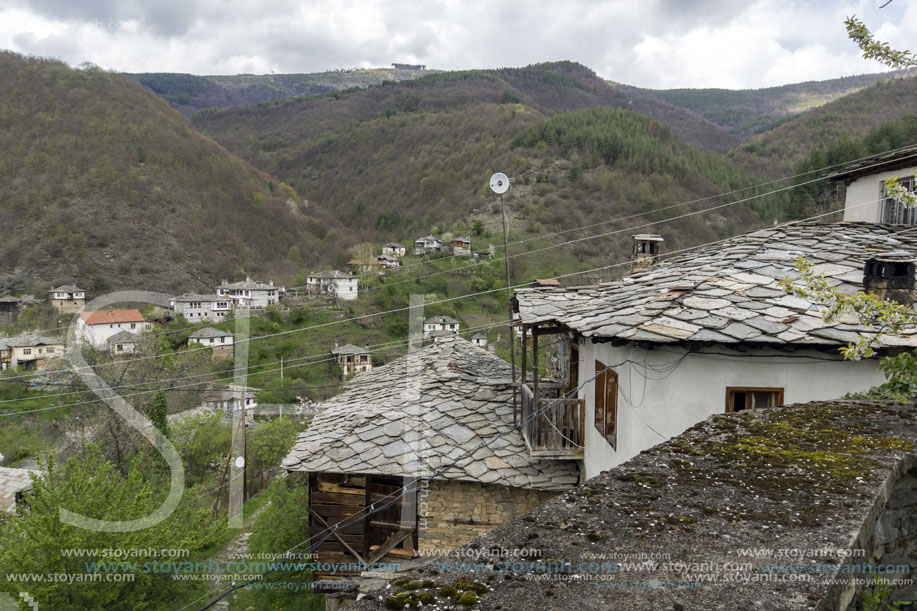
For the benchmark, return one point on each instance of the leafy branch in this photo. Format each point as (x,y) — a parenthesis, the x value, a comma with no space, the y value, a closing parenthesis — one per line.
(876,49)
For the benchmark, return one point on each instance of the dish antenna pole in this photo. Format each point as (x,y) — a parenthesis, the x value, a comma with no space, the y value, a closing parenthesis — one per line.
(499,184)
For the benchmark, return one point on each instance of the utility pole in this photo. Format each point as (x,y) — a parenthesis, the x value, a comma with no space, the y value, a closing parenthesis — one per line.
(499,183)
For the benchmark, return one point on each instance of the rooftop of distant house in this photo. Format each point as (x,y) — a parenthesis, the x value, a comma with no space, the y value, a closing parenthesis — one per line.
(332,274)
(198,297)
(463,403)
(13,481)
(100,317)
(28,340)
(248,284)
(124,337)
(348,349)
(901,158)
(66,288)
(207,332)
(441,320)
(728,292)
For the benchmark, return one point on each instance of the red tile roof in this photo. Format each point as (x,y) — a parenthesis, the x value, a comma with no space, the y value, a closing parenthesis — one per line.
(112,316)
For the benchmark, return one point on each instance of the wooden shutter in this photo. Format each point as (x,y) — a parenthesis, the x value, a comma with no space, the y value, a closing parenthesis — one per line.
(601,374)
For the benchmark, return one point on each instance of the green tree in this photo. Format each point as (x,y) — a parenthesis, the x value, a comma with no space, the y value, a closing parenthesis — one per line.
(158,413)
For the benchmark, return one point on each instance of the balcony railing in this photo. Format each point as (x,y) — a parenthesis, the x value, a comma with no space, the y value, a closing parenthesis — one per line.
(553,426)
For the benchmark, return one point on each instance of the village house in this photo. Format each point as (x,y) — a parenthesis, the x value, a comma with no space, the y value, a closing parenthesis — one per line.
(67,299)
(197,307)
(479,340)
(220,341)
(388,261)
(96,328)
(637,361)
(352,359)
(460,247)
(394,249)
(366,266)
(333,283)
(230,399)
(865,196)
(29,351)
(14,484)
(443,416)
(438,325)
(123,343)
(427,245)
(251,293)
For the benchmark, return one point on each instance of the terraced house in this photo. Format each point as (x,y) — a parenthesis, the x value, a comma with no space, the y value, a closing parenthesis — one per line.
(637,361)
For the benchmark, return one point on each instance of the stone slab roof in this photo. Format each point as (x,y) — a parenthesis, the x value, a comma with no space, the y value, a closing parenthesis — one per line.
(441,320)
(728,293)
(194,297)
(27,340)
(348,349)
(248,285)
(420,413)
(123,337)
(11,482)
(332,274)
(805,483)
(66,288)
(904,157)
(210,332)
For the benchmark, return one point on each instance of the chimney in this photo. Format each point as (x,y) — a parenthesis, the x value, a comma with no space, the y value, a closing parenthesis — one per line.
(890,276)
(647,248)
(271,283)
(335,344)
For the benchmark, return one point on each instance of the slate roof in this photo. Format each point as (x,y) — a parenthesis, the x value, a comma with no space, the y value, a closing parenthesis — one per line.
(189,297)
(422,412)
(248,285)
(904,157)
(393,245)
(349,349)
(441,320)
(210,332)
(26,340)
(11,482)
(123,337)
(333,274)
(728,293)
(66,288)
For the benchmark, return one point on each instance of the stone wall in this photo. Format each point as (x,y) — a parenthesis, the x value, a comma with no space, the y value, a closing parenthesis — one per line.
(452,513)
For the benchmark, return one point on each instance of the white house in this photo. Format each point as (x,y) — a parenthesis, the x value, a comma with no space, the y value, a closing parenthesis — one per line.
(332,282)
(67,299)
(28,351)
(427,245)
(220,341)
(479,340)
(440,324)
(394,249)
(642,359)
(231,398)
(196,307)
(251,293)
(123,343)
(96,328)
(388,261)
(865,197)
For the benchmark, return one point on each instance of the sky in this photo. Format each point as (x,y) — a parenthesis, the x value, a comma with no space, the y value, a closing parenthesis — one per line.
(650,43)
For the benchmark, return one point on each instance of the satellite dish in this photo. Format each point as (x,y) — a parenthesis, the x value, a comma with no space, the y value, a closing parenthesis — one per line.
(499,183)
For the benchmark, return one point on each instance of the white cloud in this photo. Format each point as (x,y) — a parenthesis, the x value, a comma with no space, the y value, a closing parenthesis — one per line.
(658,43)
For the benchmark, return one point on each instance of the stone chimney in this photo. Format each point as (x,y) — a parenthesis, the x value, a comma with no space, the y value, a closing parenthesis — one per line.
(890,276)
(647,248)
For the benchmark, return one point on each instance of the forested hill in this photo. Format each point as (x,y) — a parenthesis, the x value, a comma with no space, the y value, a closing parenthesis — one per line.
(106,186)
(189,93)
(746,112)
(415,156)
(777,152)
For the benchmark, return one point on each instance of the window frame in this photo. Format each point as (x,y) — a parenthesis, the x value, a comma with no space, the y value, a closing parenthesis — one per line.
(748,389)
(605,394)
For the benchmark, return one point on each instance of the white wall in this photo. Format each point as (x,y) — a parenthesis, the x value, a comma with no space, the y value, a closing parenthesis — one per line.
(862,202)
(651,411)
(97,334)
(346,288)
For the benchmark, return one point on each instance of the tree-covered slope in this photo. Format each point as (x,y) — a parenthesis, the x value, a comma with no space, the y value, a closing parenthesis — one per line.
(105,185)
(776,152)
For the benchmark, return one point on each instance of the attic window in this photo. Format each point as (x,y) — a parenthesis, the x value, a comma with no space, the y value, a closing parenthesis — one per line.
(739,399)
(895,211)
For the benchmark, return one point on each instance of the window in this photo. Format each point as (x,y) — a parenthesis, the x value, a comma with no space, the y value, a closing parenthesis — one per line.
(739,399)
(27,351)
(894,211)
(133,325)
(606,403)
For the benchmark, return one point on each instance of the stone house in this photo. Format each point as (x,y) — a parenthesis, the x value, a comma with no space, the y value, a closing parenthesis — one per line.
(438,325)
(29,351)
(637,361)
(14,484)
(439,422)
(352,359)
(251,293)
(333,283)
(460,247)
(67,299)
(123,343)
(96,328)
(394,249)
(388,261)
(427,245)
(231,398)
(865,197)
(221,342)
(196,307)
(9,308)
(479,340)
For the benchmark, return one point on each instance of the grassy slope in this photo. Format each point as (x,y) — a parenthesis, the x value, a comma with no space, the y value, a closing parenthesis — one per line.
(777,152)
(104,184)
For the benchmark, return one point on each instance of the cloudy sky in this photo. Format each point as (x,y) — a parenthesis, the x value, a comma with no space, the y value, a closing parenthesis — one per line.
(649,43)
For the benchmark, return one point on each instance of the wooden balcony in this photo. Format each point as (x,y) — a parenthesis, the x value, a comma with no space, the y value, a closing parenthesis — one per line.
(553,426)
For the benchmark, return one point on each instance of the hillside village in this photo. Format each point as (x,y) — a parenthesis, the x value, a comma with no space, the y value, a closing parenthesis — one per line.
(274,343)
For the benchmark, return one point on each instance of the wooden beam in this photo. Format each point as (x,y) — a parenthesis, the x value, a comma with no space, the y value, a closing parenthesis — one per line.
(336,536)
(391,543)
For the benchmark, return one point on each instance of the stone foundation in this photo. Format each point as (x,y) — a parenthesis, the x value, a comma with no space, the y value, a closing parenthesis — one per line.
(452,513)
